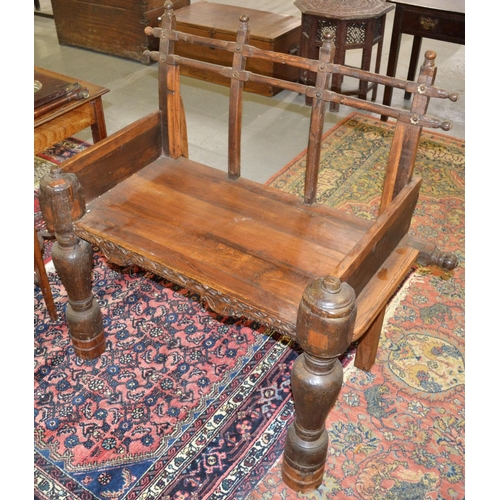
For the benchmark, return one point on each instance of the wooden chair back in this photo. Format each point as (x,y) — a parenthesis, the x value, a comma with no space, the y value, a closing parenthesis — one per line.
(409,122)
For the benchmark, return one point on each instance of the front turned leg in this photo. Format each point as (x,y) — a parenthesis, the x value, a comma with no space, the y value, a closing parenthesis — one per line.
(325,325)
(61,201)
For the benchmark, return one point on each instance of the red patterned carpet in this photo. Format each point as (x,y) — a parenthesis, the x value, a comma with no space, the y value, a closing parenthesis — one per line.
(186,404)
(399,431)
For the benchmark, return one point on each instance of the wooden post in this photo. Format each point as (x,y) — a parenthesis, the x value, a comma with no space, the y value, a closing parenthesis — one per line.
(165,47)
(325,324)
(366,352)
(173,126)
(236,101)
(323,82)
(61,201)
(404,146)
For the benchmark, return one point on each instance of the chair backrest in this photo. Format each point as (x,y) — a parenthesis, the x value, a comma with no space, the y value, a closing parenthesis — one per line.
(409,122)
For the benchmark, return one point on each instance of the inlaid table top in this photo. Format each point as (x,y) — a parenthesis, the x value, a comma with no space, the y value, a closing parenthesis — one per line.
(344,9)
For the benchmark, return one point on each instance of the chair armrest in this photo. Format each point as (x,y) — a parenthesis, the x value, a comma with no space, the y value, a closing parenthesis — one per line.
(112,160)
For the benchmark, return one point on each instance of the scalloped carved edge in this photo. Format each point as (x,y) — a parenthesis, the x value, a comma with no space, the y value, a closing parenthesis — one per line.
(221,304)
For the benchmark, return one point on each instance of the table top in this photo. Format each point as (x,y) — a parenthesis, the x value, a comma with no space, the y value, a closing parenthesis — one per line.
(221,18)
(456,6)
(95,91)
(344,9)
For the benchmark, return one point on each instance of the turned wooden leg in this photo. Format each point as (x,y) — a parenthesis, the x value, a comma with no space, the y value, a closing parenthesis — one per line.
(61,201)
(436,257)
(430,254)
(325,325)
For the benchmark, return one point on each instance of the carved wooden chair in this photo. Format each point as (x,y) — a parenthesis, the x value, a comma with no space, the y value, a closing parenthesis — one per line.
(322,276)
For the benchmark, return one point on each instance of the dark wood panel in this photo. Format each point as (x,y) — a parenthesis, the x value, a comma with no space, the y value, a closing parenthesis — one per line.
(102,166)
(112,27)
(378,291)
(435,24)
(379,242)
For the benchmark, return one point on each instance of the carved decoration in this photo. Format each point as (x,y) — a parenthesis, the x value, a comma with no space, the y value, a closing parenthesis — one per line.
(221,304)
(428,23)
(343,9)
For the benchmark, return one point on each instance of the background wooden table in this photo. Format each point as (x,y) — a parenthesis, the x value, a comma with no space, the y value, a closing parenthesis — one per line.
(71,117)
(436,19)
(355,25)
(54,126)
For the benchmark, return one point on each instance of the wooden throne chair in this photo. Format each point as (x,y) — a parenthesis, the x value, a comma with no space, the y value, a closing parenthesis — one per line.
(317,274)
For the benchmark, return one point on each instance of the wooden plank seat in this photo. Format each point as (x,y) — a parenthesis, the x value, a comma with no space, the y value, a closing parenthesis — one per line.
(241,240)
(316,273)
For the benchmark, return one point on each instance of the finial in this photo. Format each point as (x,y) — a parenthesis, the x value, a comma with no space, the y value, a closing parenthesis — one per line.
(430,55)
(328,35)
(331,284)
(446,126)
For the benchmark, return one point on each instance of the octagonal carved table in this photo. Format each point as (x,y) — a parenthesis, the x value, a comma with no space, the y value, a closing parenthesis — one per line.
(355,24)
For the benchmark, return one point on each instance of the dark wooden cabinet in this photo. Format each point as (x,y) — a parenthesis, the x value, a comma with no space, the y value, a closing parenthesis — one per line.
(114,27)
(445,26)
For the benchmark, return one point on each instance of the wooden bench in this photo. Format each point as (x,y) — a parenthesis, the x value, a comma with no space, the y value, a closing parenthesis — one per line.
(318,274)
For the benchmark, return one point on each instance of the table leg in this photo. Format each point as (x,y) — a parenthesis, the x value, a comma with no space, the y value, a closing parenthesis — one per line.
(365,64)
(339,58)
(99,127)
(415,54)
(393,55)
(43,281)
(378,60)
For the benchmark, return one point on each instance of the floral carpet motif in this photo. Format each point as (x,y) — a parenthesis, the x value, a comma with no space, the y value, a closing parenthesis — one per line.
(56,154)
(186,404)
(175,381)
(399,431)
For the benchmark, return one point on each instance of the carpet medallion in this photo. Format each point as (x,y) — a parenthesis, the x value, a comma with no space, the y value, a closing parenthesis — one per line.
(187,404)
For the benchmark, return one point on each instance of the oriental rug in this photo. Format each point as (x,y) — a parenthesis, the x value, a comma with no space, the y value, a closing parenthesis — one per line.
(187,404)
(56,154)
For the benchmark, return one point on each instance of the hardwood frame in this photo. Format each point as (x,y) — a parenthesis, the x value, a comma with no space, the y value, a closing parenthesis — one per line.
(320,275)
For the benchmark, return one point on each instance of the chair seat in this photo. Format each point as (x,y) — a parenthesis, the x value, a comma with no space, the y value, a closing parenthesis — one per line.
(244,246)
